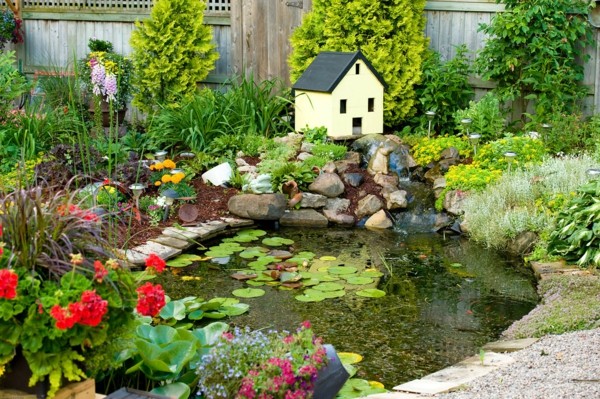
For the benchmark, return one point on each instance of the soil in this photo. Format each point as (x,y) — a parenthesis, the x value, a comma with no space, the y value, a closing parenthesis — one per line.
(211,203)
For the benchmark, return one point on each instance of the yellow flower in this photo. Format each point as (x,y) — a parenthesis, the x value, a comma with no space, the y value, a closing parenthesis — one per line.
(157,183)
(159,166)
(166,178)
(169,164)
(177,177)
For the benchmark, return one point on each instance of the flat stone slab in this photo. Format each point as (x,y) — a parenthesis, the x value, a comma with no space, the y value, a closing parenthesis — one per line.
(509,345)
(235,222)
(171,242)
(454,376)
(138,255)
(181,233)
(541,268)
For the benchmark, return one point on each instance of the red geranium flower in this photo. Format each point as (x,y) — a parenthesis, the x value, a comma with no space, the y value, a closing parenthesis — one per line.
(155,263)
(92,308)
(8,283)
(66,317)
(100,271)
(151,299)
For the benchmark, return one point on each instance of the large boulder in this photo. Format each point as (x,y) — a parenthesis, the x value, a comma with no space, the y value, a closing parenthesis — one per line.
(258,206)
(396,199)
(341,219)
(379,220)
(311,200)
(337,205)
(453,202)
(368,206)
(304,218)
(327,184)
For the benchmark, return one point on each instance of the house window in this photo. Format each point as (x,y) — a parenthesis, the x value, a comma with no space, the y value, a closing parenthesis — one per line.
(371,105)
(356,126)
(343,106)
(357,68)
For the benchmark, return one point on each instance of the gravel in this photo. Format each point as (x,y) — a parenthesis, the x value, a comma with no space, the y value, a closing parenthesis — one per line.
(556,367)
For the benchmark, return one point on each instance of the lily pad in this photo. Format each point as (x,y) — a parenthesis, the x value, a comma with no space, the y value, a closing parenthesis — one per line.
(325,294)
(253,232)
(262,261)
(456,265)
(277,241)
(248,292)
(329,287)
(359,280)
(349,357)
(184,260)
(371,293)
(217,252)
(327,258)
(371,273)
(243,238)
(253,252)
(342,270)
(255,283)
(309,282)
(309,298)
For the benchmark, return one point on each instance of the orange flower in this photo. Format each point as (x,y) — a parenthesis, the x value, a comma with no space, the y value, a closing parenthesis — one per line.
(169,164)
(177,177)
(165,178)
(158,166)
(157,183)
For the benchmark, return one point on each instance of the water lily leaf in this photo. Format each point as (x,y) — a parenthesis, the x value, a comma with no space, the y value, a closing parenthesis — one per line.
(253,232)
(232,246)
(289,277)
(217,252)
(215,315)
(196,314)
(292,285)
(248,292)
(349,357)
(371,293)
(235,310)
(255,283)
(371,273)
(277,241)
(376,384)
(259,267)
(263,277)
(456,265)
(342,270)
(309,282)
(326,258)
(309,298)
(262,260)
(359,280)
(328,287)
(225,301)
(184,260)
(245,238)
(253,252)
(334,294)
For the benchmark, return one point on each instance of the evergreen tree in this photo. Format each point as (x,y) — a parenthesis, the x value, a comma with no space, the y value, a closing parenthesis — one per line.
(388,32)
(172,51)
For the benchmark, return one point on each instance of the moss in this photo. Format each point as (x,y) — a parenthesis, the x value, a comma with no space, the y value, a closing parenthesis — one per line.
(570,303)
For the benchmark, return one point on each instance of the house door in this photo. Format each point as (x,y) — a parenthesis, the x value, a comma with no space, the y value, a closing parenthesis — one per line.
(260,32)
(356,126)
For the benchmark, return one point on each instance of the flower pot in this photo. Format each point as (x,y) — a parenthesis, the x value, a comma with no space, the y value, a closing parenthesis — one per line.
(117,118)
(15,381)
(330,378)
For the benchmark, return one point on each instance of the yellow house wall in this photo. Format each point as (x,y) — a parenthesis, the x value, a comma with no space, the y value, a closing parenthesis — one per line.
(313,109)
(356,90)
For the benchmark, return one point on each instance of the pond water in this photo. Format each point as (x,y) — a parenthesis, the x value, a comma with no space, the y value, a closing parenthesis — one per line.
(446,297)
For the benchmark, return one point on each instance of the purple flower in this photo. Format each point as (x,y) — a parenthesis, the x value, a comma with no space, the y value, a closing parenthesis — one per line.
(110,86)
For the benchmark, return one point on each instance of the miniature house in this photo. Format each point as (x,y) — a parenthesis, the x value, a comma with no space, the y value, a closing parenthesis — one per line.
(342,92)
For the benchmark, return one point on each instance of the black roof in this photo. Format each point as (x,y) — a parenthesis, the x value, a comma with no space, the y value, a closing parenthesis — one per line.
(328,69)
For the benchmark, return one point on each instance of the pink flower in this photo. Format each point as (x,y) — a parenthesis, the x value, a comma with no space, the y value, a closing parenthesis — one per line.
(306,324)
(8,283)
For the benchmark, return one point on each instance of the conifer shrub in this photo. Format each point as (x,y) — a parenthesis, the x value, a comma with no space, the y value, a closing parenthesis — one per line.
(389,33)
(172,51)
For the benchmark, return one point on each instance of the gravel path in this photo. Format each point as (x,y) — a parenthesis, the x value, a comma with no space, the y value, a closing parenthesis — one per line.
(556,367)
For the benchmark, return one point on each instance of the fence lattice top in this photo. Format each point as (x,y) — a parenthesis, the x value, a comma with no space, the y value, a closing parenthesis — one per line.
(212,6)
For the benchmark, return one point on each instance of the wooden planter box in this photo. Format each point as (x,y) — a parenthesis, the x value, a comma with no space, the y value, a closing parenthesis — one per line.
(77,390)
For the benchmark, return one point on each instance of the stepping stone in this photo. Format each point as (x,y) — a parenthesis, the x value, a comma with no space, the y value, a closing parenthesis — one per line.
(234,222)
(171,242)
(180,233)
(138,255)
(453,377)
(509,345)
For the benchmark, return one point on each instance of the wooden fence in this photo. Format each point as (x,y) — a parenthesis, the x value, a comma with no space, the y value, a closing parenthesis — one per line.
(251,35)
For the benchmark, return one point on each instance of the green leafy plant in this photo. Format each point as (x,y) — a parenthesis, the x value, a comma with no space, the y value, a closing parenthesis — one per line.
(426,150)
(315,134)
(390,35)
(444,89)
(10,28)
(528,151)
(333,152)
(486,118)
(534,51)
(172,52)
(577,230)
(153,207)
(13,84)
(467,178)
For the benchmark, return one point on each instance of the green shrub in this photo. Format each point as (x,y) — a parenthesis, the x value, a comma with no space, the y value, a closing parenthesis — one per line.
(13,84)
(491,155)
(569,133)
(526,200)
(333,152)
(466,178)
(172,52)
(428,150)
(315,135)
(390,35)
(486,118)
(534,53)
(444,89)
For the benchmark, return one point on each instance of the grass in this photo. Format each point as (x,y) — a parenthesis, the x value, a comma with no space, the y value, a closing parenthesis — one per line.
(569,303)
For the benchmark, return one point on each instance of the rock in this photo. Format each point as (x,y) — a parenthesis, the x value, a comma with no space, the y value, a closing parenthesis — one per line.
(453,202)
(379,220)
(442,221)
(345,164)
(329,167)
(352,157)
(258,206)
(523,243)
(241,162)
(368,206)
(434,173)
(339,218)
(396,199)
(337,205)
(303,156)
(248,169)
(280,254)
(311,200)
(401,162)
(446,163)
(218,175)
(293,140)
(450,153)
(387,180)
(439,185)
(307,147)
(379,162)
(353,179)
(303,217)
(367,145)
(327,184)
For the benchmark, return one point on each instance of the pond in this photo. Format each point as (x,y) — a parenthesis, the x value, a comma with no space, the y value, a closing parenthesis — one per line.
(445,298)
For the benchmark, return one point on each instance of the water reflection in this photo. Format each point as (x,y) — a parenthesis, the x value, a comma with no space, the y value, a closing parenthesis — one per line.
(446,298)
